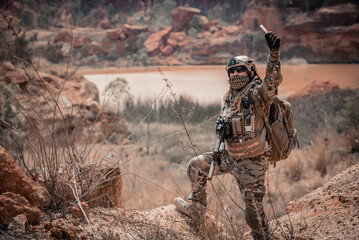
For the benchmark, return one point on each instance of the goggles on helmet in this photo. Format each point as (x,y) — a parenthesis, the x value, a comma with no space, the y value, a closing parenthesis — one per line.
(241,61)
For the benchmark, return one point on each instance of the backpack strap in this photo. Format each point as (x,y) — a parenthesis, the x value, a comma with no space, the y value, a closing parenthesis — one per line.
(260,106)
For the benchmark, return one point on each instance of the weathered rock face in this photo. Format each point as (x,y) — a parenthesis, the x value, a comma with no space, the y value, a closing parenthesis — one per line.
(78,102)
(181,17)
(123,40)
(157,40)
(330,34)
(12,204)
(256,15)
(14,180)
(327,35)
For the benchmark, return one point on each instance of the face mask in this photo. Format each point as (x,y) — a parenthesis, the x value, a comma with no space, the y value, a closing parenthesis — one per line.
(238,82)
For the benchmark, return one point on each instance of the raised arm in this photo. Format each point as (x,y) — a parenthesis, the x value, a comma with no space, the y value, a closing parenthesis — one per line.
(273,71)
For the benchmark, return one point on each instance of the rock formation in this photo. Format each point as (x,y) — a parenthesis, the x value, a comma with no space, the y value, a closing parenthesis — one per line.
(14,180)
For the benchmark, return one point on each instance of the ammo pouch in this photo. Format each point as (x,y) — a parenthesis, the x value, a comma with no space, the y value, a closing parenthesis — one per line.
(237,125)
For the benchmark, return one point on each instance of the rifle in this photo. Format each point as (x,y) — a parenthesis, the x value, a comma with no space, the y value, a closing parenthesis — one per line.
(216,155)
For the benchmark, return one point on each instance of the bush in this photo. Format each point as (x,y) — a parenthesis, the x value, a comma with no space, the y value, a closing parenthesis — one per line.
(164,112)
(111,11)
(44,19)
(196,23)
(53,53)
(226,12)
(161,14)
(94,18)
(144,58)
(192,32)
(27,19)
(326,110)
(169,6)
(348,115)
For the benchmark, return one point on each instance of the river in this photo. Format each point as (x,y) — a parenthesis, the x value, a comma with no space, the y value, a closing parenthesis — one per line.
(207,84)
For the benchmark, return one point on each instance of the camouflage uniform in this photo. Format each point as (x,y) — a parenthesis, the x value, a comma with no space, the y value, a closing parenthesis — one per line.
(248,172)
(246,150)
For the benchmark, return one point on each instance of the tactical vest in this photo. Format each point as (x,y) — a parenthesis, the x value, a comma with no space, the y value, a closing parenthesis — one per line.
(244,140)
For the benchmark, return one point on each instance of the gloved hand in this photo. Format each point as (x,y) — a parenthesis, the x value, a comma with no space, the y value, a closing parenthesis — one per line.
(273,41)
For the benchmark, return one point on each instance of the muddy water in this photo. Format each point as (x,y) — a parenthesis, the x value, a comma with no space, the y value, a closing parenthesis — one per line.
(207,84)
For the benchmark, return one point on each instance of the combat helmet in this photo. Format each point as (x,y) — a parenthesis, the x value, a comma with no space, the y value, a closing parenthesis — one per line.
(242,61)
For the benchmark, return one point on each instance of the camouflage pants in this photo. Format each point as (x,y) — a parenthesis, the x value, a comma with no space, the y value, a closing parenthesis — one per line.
(250,177)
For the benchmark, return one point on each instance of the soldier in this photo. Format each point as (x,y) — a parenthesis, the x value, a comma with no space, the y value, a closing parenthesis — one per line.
(246,149)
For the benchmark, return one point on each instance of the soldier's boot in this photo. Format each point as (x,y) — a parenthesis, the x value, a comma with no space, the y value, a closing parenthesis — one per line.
(193,209)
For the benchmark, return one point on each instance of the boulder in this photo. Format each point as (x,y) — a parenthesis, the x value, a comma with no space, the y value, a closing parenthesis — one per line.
(19,77)
(156,40)
(167,50)
(181,17)
(181,38)
(172,42)
(63,36)
(63,229)
(105,24)
(80,41)
(13,204)
(115,35)
(18,225)
(134,29)
(7,66)
(13,179)
(78,213)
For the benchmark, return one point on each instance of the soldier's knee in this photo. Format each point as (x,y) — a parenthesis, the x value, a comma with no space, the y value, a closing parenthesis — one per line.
(194,166)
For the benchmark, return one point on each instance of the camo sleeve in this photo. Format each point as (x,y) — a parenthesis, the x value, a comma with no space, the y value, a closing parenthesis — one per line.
(273,77)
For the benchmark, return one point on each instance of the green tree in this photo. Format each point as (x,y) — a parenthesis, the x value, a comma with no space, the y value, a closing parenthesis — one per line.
(111,11)
(27,19)
(44,19)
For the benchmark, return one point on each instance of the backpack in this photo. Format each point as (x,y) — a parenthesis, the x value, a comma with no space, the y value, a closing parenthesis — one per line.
(281,134)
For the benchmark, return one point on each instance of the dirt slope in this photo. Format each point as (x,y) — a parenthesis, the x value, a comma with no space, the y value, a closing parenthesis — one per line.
(329,212)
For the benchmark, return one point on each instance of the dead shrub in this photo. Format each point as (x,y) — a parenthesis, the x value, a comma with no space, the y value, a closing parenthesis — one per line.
(294,167)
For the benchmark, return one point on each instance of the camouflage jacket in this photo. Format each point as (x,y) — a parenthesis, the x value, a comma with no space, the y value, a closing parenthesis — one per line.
(248,138)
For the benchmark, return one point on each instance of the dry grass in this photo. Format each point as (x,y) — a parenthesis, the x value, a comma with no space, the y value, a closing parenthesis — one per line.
(305,169)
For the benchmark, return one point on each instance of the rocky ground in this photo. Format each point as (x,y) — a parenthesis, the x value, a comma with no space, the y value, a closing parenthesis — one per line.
(329,212)
(326,34)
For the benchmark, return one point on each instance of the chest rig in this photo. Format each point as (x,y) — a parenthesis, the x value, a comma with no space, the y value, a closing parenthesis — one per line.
(242,141)
(239,112)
